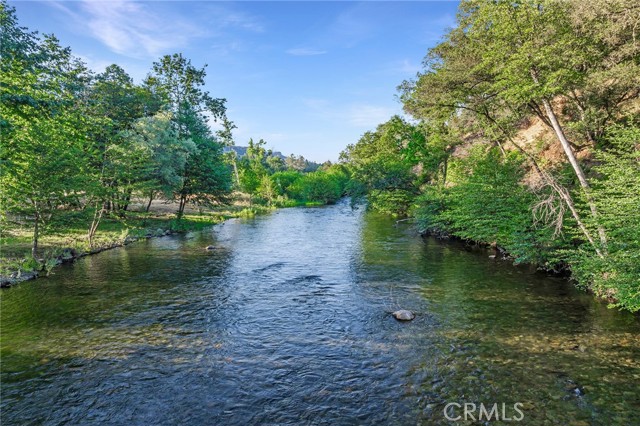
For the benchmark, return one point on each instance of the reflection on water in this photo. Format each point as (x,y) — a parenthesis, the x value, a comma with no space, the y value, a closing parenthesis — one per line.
(288,321)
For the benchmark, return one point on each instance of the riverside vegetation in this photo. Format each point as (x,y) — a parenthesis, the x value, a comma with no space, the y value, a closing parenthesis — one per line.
(80,149)
(524,136)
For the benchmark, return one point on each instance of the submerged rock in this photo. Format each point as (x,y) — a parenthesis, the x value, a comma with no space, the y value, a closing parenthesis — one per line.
(403,315)
(210,248)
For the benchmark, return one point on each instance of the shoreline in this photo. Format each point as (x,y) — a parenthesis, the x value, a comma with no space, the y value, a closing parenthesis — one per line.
(66,244)
(70,255)
(504,256)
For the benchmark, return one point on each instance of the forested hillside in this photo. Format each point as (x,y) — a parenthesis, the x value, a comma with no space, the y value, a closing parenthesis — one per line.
(524,134)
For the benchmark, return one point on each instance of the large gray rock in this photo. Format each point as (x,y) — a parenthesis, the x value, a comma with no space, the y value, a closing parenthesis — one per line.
(403,315)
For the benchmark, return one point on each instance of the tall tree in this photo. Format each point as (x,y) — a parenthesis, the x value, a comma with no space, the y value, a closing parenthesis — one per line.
(43,124)
(206,177)
(506,60)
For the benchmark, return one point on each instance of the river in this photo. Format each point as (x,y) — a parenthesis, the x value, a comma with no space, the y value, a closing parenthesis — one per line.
(288,321)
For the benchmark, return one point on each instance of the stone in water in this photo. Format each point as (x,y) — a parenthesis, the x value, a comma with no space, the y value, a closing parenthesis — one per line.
(403,315)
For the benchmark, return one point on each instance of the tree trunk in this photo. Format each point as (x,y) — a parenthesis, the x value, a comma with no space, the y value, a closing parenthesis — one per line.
(578,171)
(150,201)
(36,230)
(566,146)
(97,216)
(235,170)
(183,202)
(559,189)
(127,200)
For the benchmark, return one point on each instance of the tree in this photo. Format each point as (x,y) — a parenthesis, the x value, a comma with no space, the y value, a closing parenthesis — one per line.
(506,60)
(115,104)
(275,163)
(253,168)
(225,137)
(206,177)
(164,155)
(295,163)
(44,128)
(118,103)
(384,163)
(267,189)
(616,191)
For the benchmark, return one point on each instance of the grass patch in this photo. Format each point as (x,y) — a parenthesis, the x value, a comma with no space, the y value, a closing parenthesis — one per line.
(67,233)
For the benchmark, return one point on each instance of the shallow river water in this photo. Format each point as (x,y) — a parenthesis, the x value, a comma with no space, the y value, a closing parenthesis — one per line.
(288,321)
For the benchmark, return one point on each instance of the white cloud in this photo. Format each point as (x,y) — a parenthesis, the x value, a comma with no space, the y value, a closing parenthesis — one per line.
(133,29)
(239,20)
(305,51)
(142,30)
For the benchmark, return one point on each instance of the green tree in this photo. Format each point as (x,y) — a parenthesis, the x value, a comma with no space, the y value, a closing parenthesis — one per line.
(295,163)
(320,186)
(253,168)
(505,60)
(284,180)
(267,189)
(206,176)
(155,141)
(44,128)
(384,163)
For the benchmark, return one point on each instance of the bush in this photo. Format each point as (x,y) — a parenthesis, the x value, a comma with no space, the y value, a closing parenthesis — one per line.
(319,186)
(487,203)
(394,202)
(616,191)
(282,181)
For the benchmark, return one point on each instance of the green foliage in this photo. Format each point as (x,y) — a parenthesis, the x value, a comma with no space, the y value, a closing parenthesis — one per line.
(325,187)
(261,174)
(573,66)
(300,164)
(267,189)
(383,165)
(206,177)
(394,202)
(487,203)
(44,126)
(74,140)
(617,193)
(161,154)
(253,167)
(283,182)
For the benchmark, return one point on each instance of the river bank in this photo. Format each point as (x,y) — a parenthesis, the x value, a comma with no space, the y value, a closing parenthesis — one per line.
(560,270)
(66,240)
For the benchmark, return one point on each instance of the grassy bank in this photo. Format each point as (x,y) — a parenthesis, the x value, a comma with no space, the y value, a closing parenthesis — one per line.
(65,237)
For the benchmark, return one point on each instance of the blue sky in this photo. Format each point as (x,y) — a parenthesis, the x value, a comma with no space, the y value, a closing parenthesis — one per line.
(307,77)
